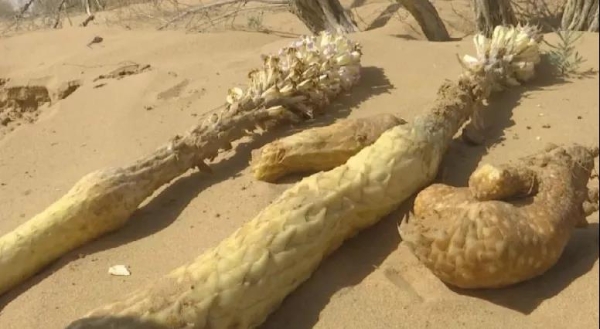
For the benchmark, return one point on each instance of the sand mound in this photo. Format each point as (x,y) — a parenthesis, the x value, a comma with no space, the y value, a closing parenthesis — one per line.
(21,104)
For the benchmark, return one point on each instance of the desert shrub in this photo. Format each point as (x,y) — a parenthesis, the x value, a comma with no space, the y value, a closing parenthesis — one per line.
(563,55)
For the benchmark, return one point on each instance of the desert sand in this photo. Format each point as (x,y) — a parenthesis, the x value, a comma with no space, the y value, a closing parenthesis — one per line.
(372,281)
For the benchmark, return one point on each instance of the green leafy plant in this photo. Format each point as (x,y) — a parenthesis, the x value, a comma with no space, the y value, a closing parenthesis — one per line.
(563,55)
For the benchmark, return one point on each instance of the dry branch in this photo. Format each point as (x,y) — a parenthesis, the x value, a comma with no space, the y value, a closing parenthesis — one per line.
(215,5)
(24,9)
(293,85)
(197,9)
(61,6)
(244,278)
(492,13)
(581,15)
(323,15)
(428,18)
(510,225)
(87,20)
(20,14)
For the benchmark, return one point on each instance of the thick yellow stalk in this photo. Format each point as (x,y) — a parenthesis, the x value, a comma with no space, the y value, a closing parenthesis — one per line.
(319,149)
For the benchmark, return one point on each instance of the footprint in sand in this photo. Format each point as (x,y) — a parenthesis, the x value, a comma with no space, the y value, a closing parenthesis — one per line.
(173,91)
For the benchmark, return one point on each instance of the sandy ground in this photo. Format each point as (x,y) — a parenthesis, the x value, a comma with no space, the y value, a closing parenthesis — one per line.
(371,281)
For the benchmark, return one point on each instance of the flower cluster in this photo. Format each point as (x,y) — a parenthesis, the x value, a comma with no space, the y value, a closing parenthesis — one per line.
(507,59)
(303,77)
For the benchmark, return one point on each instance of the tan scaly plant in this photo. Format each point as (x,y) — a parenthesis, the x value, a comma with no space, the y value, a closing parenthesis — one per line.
(510,225)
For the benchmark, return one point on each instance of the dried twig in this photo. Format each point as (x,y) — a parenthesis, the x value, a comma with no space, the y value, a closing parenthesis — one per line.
(213,21)
(61,6)
(20,15)
(24,9)
(88,20)
(215,5)
(428,18)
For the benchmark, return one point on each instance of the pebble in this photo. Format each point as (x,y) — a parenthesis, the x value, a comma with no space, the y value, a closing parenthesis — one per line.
(119,270)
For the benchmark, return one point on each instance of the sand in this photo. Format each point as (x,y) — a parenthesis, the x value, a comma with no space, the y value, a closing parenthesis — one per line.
(372,281)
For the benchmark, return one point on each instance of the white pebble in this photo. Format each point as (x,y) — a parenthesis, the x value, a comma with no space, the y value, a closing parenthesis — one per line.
(119,270)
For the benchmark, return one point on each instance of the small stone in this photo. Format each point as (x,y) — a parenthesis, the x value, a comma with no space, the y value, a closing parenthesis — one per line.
(528,127)
(579,117)
(119,270)
(546,126)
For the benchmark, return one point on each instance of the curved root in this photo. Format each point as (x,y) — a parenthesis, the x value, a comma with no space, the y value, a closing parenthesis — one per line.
(510,225)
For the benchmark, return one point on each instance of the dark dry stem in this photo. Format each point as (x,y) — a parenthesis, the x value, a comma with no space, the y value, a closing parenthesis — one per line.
(428,18)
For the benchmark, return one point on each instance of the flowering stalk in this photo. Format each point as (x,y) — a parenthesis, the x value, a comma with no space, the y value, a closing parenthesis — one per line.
(303,78)
(507,59)
(503,61)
